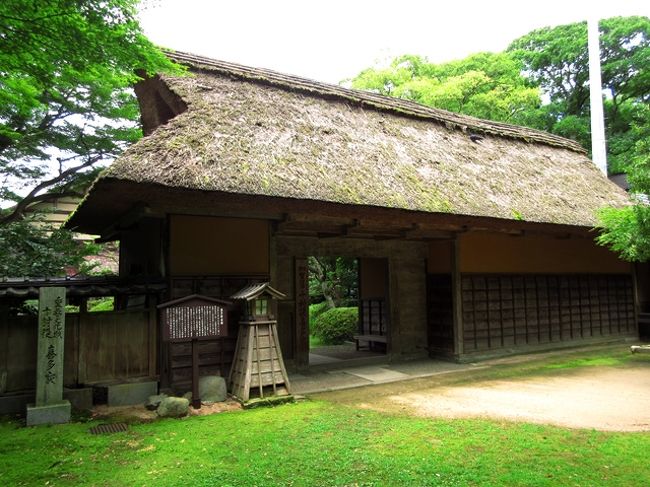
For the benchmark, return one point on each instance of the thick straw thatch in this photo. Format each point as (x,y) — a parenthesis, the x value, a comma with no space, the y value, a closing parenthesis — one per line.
(257,132)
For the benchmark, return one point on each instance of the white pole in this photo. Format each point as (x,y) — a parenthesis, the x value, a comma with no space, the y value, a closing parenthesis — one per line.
(598,150)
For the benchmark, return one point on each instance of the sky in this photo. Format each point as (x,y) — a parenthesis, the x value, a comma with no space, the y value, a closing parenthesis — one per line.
(333,40)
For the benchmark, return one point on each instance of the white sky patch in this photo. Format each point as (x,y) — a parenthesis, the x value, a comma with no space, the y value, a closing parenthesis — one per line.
(335,39)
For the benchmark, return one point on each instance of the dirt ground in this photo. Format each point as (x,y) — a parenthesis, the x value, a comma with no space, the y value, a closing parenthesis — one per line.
(602,398)
(140,413)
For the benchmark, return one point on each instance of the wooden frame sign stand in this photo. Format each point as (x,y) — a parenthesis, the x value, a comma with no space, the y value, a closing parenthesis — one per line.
(194,318)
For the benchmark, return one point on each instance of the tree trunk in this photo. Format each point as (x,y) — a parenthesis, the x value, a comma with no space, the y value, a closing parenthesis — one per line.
(320,273)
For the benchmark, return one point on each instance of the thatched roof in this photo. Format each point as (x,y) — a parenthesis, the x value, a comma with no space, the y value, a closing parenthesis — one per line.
(257,132)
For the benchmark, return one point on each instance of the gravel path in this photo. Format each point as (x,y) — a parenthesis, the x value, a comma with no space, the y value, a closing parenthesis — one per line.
(602,398)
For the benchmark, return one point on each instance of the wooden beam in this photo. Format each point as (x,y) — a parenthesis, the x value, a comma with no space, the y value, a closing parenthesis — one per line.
(128,219)
(98,212)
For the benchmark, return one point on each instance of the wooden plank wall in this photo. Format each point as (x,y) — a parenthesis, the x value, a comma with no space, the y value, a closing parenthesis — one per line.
(18,349)
(103,346)
(518,310)
(115,345)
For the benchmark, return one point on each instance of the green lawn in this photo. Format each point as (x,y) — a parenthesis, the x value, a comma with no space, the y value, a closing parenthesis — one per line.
(317,443)
(320,443)
(314,341)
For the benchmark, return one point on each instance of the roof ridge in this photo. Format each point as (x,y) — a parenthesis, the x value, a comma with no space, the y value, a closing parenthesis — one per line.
(374,100)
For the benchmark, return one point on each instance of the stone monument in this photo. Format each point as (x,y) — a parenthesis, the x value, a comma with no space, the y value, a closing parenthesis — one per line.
(50,407)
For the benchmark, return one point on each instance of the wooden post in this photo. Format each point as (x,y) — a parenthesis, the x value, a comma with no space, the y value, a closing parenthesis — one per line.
(4,347)
(457,296)
(196,400)
(81,318)
(301,295)
(152,339)
(635,297)
(164,359)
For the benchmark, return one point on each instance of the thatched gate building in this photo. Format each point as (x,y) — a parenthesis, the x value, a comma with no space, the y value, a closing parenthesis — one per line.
(473,245)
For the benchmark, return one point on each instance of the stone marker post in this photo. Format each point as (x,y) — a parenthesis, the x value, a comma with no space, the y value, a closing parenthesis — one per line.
(50,406)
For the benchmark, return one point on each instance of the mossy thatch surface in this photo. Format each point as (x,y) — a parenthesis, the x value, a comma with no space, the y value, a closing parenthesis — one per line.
(257,132)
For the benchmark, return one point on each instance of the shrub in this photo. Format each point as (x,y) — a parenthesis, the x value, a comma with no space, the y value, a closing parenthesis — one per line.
(315,310)
(336,325)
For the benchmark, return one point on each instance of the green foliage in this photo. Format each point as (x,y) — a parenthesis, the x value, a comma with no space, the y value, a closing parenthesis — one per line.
(333,279)
(517,215)
(336,325)
(556,59)
(101,304)
(31,248)
(66,68)
(627,230)
(541,81)
(315,310)
(484,85)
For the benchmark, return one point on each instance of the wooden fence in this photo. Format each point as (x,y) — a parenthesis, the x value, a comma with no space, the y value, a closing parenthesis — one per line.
(99,347)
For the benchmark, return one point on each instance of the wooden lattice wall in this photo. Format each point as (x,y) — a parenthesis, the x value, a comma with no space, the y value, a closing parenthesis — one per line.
(517,310)
(373,317)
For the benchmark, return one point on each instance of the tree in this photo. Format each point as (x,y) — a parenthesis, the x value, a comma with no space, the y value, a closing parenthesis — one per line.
(65,71)
(556,59)
(483,85)
(541,81)
(332,278)
(29,247)
(66,68)
(627,230)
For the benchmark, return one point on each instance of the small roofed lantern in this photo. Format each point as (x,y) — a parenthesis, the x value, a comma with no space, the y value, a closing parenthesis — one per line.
(258,368)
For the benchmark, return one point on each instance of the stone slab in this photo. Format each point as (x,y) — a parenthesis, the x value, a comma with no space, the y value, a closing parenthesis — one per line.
(329,381)
(377,374)
(50,346)
(48,414)
(130,393)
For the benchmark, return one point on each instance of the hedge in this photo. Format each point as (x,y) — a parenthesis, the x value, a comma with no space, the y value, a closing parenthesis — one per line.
(315,310)
(336,325)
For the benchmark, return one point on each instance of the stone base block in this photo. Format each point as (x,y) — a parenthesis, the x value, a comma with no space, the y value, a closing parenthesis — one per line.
(48,414)
(80,398)
(130,393)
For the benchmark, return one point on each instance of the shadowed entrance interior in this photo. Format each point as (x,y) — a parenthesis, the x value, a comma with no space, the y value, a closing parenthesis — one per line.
(348,312)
